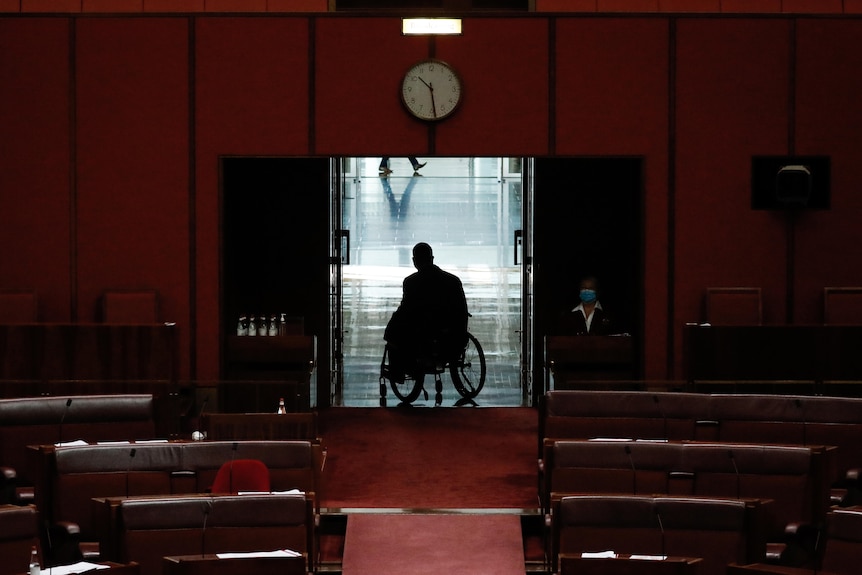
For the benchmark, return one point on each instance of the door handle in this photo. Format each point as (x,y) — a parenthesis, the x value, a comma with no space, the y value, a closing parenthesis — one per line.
(345,236)
(519,235)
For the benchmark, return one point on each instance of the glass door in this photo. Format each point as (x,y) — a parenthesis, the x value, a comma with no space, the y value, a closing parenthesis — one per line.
(468,210)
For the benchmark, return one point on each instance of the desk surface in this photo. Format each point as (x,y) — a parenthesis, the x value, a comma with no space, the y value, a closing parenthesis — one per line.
(625,565)
(211,565)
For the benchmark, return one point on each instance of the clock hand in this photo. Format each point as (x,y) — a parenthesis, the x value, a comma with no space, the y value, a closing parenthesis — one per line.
(426,83)
(433,105)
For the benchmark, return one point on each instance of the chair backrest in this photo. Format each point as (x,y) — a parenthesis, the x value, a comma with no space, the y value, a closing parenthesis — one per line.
(842,305)
(18,306)
(792,477)
(629,467)
(844,541)
(150,529)
(242,475)
(721,531)
(734,306)
(19,533)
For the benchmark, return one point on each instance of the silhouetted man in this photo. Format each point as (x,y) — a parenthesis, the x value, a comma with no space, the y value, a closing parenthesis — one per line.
(432,315)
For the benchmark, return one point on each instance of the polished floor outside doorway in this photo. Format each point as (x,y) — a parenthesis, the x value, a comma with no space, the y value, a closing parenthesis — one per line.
(468,209)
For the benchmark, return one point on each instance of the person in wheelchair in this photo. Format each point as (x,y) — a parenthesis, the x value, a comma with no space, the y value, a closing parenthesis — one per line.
(430,324)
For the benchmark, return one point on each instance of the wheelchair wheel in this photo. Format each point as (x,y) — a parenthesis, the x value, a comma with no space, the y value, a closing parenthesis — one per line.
(468,373)
(408,389)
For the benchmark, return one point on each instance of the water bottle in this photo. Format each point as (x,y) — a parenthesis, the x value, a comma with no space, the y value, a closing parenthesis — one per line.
(34,562)
(281,409)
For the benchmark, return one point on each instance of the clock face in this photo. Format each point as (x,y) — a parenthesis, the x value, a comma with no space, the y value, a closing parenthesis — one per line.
(431,90)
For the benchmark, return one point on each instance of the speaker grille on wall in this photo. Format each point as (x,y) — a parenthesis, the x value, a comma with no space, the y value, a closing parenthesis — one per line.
(790,182)
(793,185)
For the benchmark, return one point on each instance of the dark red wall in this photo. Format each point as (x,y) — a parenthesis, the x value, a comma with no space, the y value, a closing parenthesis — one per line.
(35,202)
(112,130)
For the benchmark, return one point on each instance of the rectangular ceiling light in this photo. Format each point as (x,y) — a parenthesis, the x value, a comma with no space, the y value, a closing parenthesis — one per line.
(438,26)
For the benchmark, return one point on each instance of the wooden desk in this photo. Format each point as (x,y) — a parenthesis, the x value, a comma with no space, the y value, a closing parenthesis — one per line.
(130,568)
(94,352)
(212,565)
(772,353)
(264,426)
(262,369)
(569,359)
(625,565)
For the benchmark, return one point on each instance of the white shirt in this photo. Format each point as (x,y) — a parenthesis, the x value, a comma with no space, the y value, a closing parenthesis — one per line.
(588,319)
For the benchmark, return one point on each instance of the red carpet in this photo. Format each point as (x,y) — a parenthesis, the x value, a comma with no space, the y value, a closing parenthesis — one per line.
(433,545)
(430,457)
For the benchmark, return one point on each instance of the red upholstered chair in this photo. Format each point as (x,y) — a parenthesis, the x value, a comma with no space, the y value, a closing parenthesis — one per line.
(18,306)
(242,475)
(842,306)
(734,306)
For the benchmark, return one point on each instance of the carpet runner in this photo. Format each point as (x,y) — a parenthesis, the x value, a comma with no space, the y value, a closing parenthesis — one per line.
(407,544)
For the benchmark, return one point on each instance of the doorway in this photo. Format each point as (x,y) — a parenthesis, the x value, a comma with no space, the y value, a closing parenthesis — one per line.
(589,221)
(469,210)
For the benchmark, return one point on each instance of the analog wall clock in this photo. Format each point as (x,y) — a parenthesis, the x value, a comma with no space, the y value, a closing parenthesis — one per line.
(431,90)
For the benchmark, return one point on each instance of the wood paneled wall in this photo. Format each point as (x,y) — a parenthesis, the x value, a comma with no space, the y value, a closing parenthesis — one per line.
(113,125)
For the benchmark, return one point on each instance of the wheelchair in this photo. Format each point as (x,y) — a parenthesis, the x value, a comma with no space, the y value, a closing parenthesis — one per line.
(467,371)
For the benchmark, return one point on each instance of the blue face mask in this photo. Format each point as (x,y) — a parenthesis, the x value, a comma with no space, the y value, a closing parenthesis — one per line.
(588,295)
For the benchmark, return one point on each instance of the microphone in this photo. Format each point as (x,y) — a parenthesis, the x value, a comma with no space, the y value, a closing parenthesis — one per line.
(663,416)
(634,470)
(735,469)
(230,471)
(197,435)
(816,553)
(62,419)
(207,509)
(661,526)
(798,403)
(129,469)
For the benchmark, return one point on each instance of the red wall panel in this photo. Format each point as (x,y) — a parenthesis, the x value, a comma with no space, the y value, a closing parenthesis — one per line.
(132,173)
(34,161)
(503,65)
(611,86)
(829,122)
(252,94)
(612,99)
(732,103)
(359,67)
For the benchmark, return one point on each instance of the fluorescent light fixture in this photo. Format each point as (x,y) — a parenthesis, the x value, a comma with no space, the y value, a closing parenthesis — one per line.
(438,26)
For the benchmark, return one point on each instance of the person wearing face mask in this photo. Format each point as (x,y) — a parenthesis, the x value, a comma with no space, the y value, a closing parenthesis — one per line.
(588,317)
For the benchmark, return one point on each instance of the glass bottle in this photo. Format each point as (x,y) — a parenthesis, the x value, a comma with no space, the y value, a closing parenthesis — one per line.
(281,409)
(261,325)
(242,326)
(252,326)
(34,562)
(273,326)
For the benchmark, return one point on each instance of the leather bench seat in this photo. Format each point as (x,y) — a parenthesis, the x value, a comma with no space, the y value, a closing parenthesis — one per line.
(150,529)
(721,531)
(83,473)
(841,549)
(742,418)
(794,478)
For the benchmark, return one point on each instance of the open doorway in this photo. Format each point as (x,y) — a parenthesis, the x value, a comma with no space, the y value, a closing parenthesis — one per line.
(468,209)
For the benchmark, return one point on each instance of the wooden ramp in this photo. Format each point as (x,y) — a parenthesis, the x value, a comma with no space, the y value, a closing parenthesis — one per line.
(412,544)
